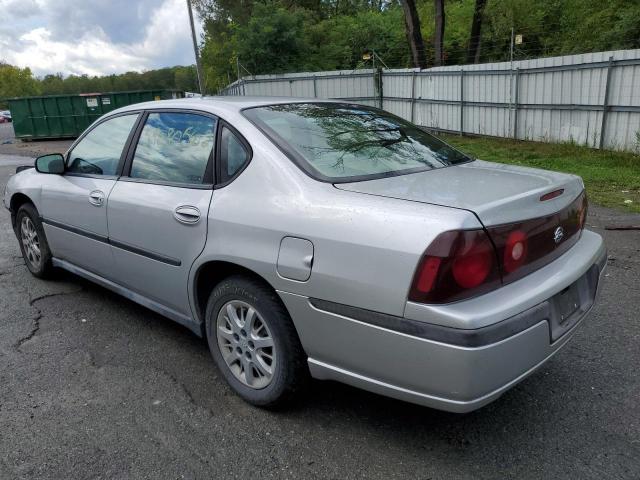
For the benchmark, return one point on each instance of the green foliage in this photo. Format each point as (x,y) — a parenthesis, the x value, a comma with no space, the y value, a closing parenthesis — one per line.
(338,43)
(273,40)
(219,57)
(606,25)
(16,82)
(183,78)
(272,36)
(186,78)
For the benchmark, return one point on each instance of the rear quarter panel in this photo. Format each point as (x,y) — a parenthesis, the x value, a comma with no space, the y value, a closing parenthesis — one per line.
(366,247)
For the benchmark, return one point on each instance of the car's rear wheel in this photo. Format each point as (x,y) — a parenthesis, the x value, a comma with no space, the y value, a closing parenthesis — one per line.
(33,242)
(254,343)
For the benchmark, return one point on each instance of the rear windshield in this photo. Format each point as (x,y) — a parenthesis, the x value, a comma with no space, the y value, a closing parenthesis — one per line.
(345,143)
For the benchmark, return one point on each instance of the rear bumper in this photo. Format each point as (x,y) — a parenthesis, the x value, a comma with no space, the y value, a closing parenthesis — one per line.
(451,369)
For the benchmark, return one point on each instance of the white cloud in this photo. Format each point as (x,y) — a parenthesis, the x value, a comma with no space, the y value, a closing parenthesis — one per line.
(44,41)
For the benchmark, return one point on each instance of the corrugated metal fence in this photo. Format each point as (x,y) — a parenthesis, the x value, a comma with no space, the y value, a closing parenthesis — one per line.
(590,99)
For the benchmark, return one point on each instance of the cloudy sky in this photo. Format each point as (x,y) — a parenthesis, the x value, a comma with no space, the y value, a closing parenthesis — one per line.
(95,37)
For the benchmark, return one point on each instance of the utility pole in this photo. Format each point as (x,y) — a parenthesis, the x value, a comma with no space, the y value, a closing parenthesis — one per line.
(195,49)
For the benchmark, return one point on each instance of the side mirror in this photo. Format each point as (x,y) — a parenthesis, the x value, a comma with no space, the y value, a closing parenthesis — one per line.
(53,163)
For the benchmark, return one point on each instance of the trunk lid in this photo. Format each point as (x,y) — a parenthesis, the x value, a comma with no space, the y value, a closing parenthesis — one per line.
(497,193)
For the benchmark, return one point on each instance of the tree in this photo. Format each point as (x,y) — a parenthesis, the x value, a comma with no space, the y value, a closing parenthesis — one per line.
(438,40)
(273,40)
(224,11)
(186,79)
(52,84)
(414,35)
(17,82)
(339,42)
(473,53)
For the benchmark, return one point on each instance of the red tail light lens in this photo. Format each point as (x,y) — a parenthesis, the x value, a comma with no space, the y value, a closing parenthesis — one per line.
(472,268)
(428,274)
(582,209)
(466,263)
(457,265)
(529,245)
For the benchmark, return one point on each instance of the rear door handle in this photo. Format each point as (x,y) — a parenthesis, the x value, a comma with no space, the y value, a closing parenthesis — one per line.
(96,198)
(187,214)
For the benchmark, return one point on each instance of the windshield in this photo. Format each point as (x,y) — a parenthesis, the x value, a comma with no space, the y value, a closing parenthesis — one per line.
(339,142)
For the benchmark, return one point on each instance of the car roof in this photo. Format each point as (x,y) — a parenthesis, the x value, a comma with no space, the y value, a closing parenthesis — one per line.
(232,104)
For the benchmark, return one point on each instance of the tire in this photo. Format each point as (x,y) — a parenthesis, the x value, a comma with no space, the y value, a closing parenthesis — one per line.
(228,339)
(33,242)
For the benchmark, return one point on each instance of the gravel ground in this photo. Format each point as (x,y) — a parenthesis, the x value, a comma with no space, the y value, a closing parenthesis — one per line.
(11,146)
(94,386)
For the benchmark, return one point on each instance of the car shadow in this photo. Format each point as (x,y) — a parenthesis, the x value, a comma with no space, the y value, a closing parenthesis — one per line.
(325,403)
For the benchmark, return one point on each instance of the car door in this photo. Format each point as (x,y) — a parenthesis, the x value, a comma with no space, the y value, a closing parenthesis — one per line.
(74,205)
(158,209)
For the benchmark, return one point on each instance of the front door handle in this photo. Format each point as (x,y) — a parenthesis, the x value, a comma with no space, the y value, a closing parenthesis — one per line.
(187,214)
(96,198)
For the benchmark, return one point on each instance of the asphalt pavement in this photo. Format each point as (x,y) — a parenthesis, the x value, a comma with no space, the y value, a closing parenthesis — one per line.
(93,386)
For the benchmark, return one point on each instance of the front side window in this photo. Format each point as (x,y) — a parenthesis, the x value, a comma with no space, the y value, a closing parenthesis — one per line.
(98,153)
(340,142)
(174,147)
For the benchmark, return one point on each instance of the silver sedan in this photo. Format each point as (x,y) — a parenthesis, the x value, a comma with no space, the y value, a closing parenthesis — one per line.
(319,239)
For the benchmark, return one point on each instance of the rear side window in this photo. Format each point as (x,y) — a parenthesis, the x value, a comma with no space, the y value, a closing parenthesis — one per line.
(98,153)
(174,147)
(233,155)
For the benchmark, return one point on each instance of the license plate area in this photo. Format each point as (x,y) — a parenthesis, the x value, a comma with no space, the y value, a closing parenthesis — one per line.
(569,306)
(567,302)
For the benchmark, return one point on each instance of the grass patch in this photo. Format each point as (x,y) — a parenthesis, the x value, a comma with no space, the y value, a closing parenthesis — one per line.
(609,177)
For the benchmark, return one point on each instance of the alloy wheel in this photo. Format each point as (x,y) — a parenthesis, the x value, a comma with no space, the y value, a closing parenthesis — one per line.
(30,242)
(246,344)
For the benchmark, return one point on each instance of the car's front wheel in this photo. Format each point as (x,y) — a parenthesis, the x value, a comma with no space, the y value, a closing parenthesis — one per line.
(254,343)
(33,242)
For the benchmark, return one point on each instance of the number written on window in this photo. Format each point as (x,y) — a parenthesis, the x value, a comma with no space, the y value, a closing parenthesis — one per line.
(174,147)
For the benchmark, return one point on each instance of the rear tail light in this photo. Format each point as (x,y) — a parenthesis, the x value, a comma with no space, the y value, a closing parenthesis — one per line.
(526,246)
(465,263)
(515,251)
(470,269)
(583,209)
(457,265)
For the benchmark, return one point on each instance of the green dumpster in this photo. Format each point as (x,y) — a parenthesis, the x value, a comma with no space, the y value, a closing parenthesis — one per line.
(67,116)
